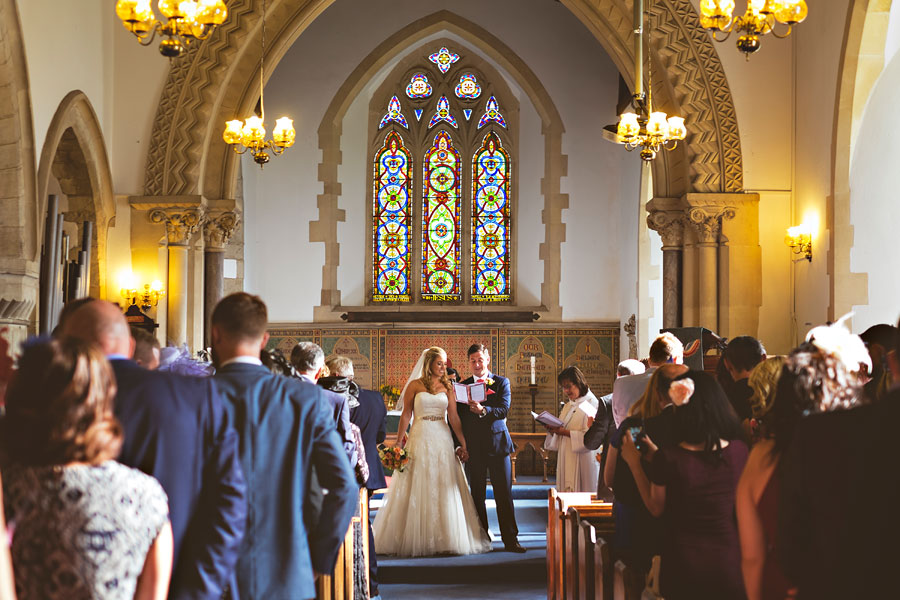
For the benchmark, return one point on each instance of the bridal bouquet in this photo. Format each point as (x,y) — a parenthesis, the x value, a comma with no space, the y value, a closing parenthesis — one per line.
(394,458)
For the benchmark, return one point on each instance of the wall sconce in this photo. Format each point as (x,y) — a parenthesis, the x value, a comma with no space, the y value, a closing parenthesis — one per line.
(799,238)
(146,299)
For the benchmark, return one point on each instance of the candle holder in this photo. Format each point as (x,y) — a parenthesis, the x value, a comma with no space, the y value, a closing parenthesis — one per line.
(533,389)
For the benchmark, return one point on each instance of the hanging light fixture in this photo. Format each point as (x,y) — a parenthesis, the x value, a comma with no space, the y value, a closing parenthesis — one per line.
(251,134)
(186,20)
(646,129)
(760,19)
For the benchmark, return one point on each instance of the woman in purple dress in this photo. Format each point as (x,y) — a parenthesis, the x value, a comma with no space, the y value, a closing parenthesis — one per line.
(692,486)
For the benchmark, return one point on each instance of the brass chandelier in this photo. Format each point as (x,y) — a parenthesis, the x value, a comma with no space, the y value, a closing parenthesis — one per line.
(186,20)
(645,129)
(760,19)
(250,135)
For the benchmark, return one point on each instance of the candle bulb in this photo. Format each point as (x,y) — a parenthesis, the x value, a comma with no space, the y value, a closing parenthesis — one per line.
(532,370)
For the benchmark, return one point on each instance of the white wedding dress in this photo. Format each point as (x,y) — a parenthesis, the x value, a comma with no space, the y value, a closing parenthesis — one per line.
(428,509)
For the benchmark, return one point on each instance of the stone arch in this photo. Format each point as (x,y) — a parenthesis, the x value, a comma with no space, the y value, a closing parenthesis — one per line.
(20,213)
(215,80)
(74,153)
(862,61)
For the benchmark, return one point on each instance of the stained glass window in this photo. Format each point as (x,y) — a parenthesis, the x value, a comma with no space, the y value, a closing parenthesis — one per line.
(393,114)
(442,113)
(443,58)
(393,218)
(440,220)
(490,221)
(418,86)
(467,88)
(491,113)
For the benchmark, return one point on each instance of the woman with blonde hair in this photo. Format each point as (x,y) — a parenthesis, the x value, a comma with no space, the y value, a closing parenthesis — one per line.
(84,525)
(428,509)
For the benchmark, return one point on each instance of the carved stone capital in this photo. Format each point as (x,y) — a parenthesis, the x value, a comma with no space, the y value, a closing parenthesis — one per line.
(181,224)
(669,225)
(218,229)
(707,221)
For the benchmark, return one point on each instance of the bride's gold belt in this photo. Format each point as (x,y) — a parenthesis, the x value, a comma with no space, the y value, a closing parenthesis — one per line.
(432,418)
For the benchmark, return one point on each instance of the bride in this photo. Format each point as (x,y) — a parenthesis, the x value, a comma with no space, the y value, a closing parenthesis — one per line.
(428,508)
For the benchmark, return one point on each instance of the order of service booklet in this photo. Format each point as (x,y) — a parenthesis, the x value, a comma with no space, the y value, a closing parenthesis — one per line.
(476,392)
(547,419)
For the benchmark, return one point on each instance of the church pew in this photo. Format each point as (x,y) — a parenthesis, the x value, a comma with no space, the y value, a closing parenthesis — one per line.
(628,584)
(339,585)
(594,567)
(558,503)
(599,514)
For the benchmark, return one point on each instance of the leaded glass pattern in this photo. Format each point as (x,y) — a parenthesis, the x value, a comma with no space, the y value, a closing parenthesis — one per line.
(393,220)
(442,113)
(418,87)
(394,113)
(490,222)
(491,113)
(467,88)
(443,58)
(440,220)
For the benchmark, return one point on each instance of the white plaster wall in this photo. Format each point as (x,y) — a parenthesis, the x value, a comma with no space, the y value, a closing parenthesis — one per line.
(66,48)
(874,210)
(285,268)
(892,44)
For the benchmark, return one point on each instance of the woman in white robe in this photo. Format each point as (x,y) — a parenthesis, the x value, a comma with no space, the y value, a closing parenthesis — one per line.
(577,468)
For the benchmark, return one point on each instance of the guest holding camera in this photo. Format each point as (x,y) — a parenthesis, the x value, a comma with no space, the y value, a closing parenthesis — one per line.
(692,486)
(576,466)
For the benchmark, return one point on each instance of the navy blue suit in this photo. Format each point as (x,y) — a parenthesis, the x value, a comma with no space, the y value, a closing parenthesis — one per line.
(489,444)
(286,430)
(175,430)
(370,417)
(340,412)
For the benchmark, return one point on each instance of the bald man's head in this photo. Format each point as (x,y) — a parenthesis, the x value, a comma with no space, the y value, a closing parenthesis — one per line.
(101,323)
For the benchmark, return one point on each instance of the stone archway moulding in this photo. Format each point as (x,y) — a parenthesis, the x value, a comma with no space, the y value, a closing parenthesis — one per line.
(20,225)
(95,201)
(862,61)
(214,81)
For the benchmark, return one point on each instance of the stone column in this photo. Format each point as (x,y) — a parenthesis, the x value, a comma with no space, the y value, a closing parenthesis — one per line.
(217,230)
(670,226)
(707,222)
(181,224)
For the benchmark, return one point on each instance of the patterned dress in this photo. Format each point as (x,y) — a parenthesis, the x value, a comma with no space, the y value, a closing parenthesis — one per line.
(81,532)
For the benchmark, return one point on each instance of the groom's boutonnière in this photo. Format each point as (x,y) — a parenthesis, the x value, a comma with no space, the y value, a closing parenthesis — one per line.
(489,381)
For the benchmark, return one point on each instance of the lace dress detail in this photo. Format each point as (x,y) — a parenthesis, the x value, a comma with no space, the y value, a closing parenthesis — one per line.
(428,509)
(81,532)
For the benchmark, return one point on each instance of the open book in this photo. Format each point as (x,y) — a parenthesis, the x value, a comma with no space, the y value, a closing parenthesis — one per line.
(473,391)
(546,418)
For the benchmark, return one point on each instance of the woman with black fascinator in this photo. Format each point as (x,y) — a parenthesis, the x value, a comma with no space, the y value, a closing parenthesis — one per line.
(692,486)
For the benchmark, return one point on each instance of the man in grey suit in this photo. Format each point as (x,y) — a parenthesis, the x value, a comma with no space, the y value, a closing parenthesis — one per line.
(284,428)
(666,348)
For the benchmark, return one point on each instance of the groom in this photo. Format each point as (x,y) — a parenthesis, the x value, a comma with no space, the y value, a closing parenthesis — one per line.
(489,445)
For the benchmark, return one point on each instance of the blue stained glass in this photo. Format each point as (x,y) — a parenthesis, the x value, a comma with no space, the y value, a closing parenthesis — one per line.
(490,222)
(491,113)
(418,86)
(443,113)
(394,114)
(443,58)
(467,88)
(467,113)
(392,220)
(418,112)
(440,221)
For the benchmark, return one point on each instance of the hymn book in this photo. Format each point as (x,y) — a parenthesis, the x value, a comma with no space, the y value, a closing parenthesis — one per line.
(476,392)
(547,419)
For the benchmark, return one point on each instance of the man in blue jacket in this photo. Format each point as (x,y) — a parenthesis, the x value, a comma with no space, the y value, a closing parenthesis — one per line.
(175,430)
(489,445)
(285,429)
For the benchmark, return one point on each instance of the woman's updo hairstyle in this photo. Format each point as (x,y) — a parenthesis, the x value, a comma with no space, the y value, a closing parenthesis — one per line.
(59,407)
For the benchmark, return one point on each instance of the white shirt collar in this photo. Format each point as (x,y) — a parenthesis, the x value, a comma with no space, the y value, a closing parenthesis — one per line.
(244,360)
(307,378)
(485,378)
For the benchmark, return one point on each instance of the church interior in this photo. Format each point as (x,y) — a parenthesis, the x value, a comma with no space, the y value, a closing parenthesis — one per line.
(130,176)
